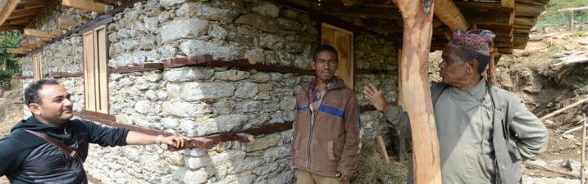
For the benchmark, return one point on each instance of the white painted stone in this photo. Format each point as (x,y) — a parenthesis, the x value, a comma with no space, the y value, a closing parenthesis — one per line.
(267,9)
(197,152)
(228,156)
(273,153)
(183,28)
(185,109)
(193,91)
(187,74)
(169,3)
(262,143)
(196,177)
(222,123)
(231,75)
(194,48)
(198,162)
(247,164)
(247,90)
(143,106)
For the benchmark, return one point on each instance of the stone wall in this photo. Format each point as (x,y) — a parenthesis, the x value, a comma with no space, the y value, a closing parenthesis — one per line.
(199,101)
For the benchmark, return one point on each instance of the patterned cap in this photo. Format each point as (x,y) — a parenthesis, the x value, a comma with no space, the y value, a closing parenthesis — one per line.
(477,40)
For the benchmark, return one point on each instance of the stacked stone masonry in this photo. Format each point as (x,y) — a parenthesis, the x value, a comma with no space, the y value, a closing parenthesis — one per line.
(200,101)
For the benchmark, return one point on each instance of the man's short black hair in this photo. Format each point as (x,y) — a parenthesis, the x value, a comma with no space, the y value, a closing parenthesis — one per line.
(468,54)
(324,48)
(32,91)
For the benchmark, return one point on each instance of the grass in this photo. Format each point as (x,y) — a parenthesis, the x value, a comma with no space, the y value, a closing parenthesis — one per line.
(551,15)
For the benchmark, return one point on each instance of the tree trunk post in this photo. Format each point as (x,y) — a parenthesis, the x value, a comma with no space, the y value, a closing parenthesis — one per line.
(418,17)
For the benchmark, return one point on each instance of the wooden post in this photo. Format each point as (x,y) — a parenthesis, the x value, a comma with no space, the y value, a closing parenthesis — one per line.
(417,16)
(402,135)
(382,148)
(583,151)
(492,68)
(571,19)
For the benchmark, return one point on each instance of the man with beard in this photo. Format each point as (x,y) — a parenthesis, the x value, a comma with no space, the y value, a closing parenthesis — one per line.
(50,147)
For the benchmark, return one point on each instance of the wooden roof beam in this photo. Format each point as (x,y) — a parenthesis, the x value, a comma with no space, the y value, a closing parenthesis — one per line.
(65,24)
(39,33)
(85,5)
(32,44)
(353,3)
(33,4)
(17,21)
(449,14)
(508,3)
(16,51)
(8,27)
(23,13)
(7,9)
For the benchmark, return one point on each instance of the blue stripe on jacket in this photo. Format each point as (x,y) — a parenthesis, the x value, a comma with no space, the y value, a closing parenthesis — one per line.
(303,108)
(340,113)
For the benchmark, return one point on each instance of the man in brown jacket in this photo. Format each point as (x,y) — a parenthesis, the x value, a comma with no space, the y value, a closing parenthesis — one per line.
(325,145)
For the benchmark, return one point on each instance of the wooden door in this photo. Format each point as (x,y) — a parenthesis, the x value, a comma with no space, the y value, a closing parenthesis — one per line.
(342,40)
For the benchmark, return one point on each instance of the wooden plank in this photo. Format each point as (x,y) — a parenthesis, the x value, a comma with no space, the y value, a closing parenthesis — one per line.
(507,3)
(449,14)
(417,96)
(102,62)
(353,3)
(37,72)
(7,9)
(328,35)
(573,9)
(492,19)
(65,24)
(505,50)
(528,10)
(8,27)
(38,33)
(534,2)
(24,13)
(16,51)
(379,13)
(33,4)
(88,43)
(32,44)
(525,21)
(17,22)
(342,40)
(85,5)
(481,7)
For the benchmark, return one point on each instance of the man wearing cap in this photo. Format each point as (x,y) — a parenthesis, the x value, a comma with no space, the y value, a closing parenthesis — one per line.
(484,132)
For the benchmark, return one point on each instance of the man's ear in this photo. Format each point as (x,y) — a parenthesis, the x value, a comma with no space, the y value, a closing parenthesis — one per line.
(35,108)
(473,64)
(313,65)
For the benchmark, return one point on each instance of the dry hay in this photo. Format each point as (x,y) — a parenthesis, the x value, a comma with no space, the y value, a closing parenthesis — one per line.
(372,168)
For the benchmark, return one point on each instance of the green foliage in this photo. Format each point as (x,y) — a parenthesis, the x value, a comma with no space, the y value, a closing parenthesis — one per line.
(551,15)
(8,62)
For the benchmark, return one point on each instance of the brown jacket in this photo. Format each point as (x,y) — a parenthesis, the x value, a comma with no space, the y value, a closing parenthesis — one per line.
(330,146)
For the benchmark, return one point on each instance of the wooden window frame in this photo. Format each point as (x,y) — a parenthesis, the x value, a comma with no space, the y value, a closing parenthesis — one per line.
(37,67)
(96,92)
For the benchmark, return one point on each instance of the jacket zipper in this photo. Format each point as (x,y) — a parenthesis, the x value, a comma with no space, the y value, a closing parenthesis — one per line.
(312,122)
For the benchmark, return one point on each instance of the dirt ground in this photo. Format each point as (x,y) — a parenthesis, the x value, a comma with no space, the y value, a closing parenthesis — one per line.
(546,86)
